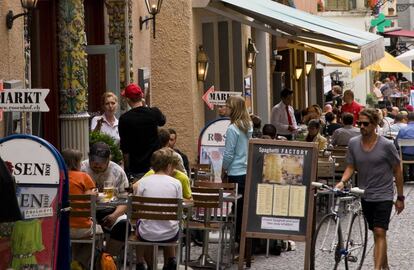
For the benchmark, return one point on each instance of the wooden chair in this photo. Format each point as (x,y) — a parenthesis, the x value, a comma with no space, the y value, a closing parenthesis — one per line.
(85,206)
(207,216)
(339,154)
(203,172)
(326,170)
(229,229)
(405,143)
(160,209)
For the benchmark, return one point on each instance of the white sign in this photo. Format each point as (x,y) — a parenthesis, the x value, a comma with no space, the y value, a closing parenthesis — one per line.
(212,97)
(35,202)
(24,100)
(33,163)
(282,224)
(215,133)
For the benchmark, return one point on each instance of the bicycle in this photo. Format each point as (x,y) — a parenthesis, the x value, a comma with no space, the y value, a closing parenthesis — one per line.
(329,241)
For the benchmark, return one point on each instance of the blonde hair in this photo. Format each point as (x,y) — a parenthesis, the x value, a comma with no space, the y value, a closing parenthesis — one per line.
(108,95)
(238,113)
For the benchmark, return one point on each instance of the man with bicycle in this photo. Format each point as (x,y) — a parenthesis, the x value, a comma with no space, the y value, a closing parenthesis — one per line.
(377,162)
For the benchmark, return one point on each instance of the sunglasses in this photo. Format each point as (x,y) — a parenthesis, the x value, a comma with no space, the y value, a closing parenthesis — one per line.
(362,123)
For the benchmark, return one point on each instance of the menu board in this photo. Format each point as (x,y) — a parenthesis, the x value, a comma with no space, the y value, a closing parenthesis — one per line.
(278,201)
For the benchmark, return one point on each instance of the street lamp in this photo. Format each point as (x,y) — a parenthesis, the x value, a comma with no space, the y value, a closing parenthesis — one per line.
(153,7)
(26,4)
(202,64)
(251,54)
(298,72)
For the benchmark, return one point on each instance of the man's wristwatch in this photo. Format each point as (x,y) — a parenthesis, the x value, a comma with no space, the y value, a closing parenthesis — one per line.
(401,198)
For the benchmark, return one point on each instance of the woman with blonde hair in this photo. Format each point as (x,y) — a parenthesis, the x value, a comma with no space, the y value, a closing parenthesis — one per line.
(107,122)
(235,153)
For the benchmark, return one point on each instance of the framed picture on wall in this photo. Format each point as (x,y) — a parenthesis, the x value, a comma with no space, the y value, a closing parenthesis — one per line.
(247,92)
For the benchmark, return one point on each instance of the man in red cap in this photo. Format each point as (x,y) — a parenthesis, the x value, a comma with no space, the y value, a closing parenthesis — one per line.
(138,130)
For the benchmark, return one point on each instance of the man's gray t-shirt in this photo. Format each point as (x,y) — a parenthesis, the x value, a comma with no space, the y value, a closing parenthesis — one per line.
(375,168)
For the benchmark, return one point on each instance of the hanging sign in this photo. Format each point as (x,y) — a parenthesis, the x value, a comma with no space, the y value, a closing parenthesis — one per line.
(212,97)
(24,100)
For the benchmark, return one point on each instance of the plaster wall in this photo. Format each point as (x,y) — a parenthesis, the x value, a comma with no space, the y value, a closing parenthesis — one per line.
(173,80)
(141,38)
(307,5)
(11,45)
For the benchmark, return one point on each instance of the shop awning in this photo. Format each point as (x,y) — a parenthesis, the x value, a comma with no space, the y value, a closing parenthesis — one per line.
(283,21)
(400,33)
(386,64)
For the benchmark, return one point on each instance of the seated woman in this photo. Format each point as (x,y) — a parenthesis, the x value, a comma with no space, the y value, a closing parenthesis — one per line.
(314,136)
(80,227)
(159,185)
(331,124)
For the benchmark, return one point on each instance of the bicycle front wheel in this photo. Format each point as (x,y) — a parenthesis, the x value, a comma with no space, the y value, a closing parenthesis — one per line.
(356,245)
(327,243)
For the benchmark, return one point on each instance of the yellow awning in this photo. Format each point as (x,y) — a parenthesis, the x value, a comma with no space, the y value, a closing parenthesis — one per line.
(388,63)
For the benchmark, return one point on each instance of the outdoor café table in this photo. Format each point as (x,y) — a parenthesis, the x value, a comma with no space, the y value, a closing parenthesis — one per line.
(205,260)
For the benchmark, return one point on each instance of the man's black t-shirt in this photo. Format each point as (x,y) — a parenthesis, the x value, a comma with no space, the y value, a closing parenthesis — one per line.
(138,130)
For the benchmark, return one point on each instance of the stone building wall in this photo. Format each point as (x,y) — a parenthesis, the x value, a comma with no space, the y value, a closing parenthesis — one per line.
(173,77)
(11,44)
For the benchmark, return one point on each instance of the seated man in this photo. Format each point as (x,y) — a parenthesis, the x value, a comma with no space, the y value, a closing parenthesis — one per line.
(159,185)
(342,135)
(101,169)
(408,152)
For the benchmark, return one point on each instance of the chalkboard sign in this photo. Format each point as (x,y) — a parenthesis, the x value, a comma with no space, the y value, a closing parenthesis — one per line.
(278,201)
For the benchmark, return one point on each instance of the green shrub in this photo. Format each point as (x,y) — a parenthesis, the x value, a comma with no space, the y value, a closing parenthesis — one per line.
(96,136)
(371,100)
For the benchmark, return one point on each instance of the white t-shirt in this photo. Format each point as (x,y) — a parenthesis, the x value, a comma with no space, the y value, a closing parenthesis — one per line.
(114,172)
(158,186)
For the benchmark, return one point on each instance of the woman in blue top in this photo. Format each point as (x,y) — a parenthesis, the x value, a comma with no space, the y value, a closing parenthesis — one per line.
(235,153)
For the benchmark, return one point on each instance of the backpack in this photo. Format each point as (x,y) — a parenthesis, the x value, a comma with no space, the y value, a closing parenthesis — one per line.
(104,261)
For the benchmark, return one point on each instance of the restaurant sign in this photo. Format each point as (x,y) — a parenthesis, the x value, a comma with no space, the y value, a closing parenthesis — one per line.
(24,100)
(32,162)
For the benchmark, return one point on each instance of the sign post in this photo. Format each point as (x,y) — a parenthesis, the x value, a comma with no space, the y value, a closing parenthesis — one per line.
(278,201)
(212,97)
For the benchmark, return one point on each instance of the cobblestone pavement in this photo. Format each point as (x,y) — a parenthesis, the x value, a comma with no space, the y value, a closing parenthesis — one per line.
(400,245)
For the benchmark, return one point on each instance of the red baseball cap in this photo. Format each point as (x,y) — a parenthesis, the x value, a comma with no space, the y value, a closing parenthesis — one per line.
(132,91)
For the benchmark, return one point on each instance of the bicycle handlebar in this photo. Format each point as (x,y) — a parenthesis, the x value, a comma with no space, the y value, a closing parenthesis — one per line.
(354,190)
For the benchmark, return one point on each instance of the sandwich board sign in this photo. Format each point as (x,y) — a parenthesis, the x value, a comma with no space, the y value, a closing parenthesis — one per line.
(278,198)
(42,235)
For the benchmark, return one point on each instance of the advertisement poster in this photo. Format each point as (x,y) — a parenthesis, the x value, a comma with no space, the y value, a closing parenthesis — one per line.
(212,141)
(32,241)
(247,93)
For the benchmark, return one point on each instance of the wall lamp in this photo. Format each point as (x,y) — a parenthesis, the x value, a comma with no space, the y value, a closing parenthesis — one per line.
(202,64)
(26,4)
(251,54)
(154,7)
(298,72)
(308,68)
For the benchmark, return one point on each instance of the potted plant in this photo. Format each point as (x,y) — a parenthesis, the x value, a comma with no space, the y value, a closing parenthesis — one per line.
(96,136)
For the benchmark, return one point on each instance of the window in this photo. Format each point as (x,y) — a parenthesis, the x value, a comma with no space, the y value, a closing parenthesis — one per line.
(340,5)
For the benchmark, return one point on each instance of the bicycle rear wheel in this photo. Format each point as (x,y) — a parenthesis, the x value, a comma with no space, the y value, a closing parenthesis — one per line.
(327,243)
(356,245)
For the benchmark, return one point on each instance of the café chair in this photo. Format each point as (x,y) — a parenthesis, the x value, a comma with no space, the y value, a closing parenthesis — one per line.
(203,172)
(405,143)
(207,216)
(85,206)
(160,209)
(230,197)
